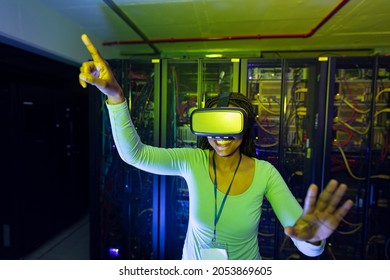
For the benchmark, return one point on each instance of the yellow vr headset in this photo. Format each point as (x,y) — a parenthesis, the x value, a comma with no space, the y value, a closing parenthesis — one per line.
(219,122)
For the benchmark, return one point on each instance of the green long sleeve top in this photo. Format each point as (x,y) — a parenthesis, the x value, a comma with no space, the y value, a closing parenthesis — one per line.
(239,222)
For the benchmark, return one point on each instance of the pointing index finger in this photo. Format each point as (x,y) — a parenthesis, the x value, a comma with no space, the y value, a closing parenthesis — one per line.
(91,48)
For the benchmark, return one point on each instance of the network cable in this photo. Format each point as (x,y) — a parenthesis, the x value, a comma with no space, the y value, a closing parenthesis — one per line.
(385,177)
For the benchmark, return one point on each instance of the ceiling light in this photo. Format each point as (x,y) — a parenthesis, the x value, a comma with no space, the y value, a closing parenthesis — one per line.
(213,55)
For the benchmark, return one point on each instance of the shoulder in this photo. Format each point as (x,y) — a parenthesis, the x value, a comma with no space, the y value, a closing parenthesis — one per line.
(190,159)
(263,165)
(268,171)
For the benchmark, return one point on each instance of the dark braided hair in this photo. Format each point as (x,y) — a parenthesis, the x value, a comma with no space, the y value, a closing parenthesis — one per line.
(238,100)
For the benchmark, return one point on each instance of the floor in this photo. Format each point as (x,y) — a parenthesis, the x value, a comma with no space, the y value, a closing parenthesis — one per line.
(71,244)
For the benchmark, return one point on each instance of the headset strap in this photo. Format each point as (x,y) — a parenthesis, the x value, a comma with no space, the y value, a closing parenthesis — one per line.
(223,100)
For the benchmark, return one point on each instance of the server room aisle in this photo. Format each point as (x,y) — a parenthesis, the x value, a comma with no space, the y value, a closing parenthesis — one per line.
(71,244)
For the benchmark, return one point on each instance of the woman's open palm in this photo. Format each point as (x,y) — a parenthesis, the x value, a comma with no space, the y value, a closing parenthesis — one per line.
(321,217)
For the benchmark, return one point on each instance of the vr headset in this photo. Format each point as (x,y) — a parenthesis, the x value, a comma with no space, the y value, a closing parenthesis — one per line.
(219,122)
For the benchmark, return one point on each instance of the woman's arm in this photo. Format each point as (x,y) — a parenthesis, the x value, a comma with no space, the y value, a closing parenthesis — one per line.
(152,159)
(145,157)
(288,211)
(319,217)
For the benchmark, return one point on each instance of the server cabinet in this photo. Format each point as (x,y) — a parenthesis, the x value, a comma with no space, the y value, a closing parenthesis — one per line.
(263,85)
(42,168)
(358,153)
(377,236)
(180,83)
(322,120)
(303,129)
(124,223)
(43,171)
(287,95)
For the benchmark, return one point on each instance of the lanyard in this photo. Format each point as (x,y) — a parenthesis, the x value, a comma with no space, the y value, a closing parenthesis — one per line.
(217,216)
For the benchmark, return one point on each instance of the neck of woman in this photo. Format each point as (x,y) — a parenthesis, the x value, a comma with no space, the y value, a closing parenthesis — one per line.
(227,163)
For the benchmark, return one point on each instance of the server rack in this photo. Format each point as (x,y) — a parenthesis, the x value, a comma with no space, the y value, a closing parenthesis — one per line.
(125,221)
(262,81)
(180,85)
(287,95)
(357,151)
(44,186)
(377,238)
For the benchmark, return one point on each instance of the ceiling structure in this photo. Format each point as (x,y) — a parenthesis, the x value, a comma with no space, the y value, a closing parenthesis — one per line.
(245,28)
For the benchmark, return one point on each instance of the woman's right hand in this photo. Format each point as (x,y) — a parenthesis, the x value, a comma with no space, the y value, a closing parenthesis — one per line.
(98,73)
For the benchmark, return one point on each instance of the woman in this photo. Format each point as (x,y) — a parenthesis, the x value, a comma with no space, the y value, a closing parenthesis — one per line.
(226,182)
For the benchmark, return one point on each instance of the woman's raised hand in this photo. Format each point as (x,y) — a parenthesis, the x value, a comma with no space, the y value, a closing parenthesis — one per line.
(97,72)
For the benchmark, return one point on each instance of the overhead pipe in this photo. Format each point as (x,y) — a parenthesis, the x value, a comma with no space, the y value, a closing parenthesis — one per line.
(145,40)
(229,38)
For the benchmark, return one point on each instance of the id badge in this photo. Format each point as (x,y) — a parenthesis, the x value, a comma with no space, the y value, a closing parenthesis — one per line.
(214,251)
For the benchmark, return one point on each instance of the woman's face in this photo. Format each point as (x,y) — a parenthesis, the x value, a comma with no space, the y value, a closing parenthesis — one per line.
(225,147)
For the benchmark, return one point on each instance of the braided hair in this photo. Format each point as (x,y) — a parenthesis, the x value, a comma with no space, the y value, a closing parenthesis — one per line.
(247,146)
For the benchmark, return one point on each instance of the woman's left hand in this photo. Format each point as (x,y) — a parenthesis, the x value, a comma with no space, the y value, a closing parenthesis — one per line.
(320,218)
